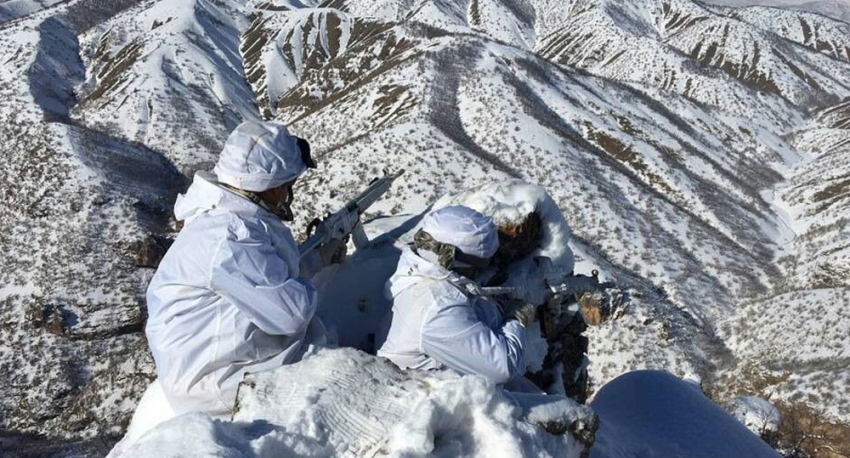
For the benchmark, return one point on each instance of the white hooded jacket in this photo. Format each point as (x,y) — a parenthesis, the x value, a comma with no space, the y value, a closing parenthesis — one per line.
(435,324)
(226,299)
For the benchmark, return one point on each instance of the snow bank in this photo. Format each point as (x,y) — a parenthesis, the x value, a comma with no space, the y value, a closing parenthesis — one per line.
(653,413)
(153,410)
(352,303)
(344,402)
(468,417)
(196,434)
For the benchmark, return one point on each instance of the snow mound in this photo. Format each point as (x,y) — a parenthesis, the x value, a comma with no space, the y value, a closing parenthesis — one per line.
(197,434)
(343,402)
(653,413)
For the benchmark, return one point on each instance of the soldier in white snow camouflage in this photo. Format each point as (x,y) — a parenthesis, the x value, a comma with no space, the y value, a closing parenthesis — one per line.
(229,298)
(436,321)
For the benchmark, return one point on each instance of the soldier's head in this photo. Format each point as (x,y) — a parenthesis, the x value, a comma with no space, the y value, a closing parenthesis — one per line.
(264,160)
(462,239)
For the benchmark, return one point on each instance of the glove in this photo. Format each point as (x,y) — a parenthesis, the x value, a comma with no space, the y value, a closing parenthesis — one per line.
(521,311)
(333,251)
(311,264)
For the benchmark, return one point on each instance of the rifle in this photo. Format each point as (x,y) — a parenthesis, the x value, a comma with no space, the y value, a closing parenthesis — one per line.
(553,287)
(565,286)
(346,221)
(561,323)
(547,284)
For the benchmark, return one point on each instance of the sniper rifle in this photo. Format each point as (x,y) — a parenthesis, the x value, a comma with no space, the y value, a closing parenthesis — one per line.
(551,283)
(565,286)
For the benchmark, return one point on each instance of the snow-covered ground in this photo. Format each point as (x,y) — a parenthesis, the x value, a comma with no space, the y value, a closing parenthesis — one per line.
(698,153)
(348,403)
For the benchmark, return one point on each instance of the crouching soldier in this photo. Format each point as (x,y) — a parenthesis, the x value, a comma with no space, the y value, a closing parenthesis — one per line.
(228,298)
(436,321)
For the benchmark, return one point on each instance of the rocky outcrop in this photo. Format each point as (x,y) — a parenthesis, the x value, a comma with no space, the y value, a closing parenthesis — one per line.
(150,251)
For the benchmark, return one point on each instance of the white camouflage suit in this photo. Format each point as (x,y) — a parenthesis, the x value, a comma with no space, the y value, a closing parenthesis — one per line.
(436,323)
(227,298)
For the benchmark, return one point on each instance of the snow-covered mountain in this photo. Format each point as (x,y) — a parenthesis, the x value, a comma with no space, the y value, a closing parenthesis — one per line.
(835,9)
(700,153)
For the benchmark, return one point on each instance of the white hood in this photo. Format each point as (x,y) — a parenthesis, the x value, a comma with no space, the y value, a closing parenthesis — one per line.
(206,194)
(413,270)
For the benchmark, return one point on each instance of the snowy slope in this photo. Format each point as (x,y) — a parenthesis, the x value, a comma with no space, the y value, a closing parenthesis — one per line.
(836,9)
(698,153)
(798,336)
(169,75)
(767,71)
(16,9)
(74,203)
(829,37)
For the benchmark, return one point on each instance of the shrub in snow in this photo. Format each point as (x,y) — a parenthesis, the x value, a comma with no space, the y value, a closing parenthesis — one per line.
(758,415)
(510,202)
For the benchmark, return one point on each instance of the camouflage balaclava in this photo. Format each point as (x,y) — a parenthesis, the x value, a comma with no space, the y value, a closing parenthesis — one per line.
(445,252)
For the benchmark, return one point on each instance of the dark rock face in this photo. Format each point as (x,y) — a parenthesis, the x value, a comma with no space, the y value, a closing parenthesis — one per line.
(150,251)
(518,241)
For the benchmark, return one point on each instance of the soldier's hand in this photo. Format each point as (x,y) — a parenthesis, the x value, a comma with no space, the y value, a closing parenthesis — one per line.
(331,252)
(519,310)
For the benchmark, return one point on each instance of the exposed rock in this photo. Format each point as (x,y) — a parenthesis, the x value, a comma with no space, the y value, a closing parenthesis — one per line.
(567,349)
(599,306)
(592,309)
(517,241)
(150,251)
(48,317)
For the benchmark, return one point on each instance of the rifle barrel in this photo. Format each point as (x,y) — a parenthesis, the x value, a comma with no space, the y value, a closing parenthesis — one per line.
(354,207)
